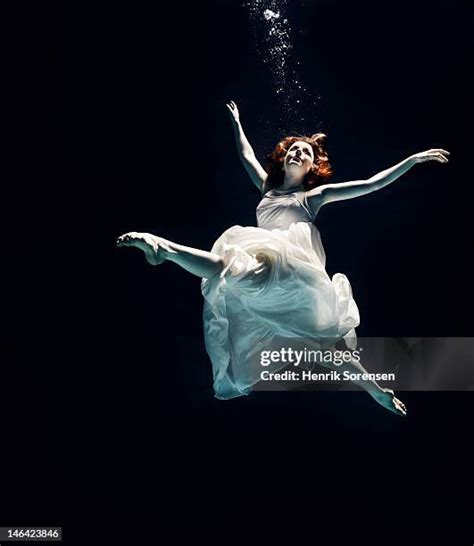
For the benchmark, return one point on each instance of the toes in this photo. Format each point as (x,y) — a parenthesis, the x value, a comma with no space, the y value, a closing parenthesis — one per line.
(400,406)
(124,239)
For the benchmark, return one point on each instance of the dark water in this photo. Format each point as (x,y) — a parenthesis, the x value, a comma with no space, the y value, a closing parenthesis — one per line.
(107,406)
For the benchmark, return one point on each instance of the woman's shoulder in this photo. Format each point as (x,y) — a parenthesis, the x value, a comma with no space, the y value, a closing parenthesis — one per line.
(266,197)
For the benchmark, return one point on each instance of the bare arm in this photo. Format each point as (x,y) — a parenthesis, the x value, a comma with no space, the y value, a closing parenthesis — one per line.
(247,156)
(329,193)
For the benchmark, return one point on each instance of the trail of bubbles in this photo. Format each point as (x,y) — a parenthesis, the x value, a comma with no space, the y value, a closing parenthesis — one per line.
(274,44)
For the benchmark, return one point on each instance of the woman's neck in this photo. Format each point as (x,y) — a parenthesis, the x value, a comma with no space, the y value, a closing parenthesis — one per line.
(291,182)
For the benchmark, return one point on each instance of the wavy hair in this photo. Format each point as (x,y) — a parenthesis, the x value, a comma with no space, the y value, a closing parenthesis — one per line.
(320,172)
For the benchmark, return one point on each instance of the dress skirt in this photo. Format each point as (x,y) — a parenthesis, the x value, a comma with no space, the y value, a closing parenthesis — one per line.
(273,285)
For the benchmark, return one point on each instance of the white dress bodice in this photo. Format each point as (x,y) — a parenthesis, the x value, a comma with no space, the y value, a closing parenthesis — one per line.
(279,209)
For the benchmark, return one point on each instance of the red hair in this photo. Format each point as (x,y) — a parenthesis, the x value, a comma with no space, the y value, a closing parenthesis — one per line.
(320,171)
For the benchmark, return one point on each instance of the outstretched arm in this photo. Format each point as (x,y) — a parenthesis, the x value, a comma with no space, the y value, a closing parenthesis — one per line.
(329,193)
(246,153)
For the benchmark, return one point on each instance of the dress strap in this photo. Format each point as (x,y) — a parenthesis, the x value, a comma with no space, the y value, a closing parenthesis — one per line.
(301,197)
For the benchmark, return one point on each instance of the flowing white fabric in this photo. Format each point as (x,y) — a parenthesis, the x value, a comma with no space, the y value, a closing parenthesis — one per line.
(274,284)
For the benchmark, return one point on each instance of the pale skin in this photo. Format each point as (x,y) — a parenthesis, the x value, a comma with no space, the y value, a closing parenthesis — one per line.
(297,163)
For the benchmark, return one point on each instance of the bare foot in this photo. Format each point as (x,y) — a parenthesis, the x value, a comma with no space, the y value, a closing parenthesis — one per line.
(151,245)
(388,400)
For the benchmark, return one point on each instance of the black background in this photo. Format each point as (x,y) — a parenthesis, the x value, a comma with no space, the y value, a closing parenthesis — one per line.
(108,414)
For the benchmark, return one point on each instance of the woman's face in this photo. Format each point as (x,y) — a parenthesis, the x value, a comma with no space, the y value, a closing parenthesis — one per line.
(299,158)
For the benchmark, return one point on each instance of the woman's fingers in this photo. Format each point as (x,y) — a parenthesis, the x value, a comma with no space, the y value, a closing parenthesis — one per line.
(436,154)
(440,153)
(441,157)
(233,110)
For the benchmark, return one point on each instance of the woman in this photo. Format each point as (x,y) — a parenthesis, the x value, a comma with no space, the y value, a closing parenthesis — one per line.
(261,284)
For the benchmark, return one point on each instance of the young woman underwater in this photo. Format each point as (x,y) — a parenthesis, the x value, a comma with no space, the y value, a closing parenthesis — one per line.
(269,282)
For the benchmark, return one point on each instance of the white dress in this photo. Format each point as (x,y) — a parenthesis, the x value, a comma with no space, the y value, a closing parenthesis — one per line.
(273,285)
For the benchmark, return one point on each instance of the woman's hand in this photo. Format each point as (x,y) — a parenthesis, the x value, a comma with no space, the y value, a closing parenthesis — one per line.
(252,166)
(436,154)
(348,190)
(234,112)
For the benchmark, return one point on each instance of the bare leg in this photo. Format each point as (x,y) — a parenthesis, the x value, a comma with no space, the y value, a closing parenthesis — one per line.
(385,397)
(156,249)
